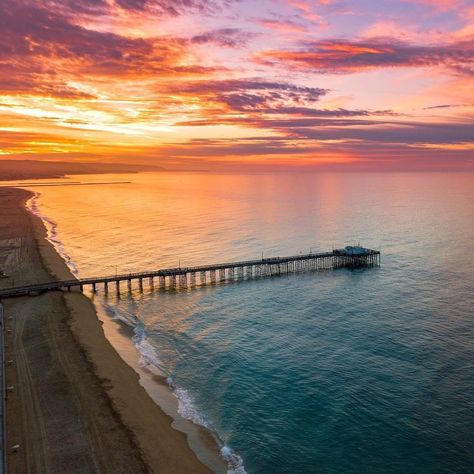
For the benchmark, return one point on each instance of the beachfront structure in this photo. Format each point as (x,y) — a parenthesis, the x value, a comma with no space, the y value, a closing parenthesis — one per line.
(352,250)
(185,277)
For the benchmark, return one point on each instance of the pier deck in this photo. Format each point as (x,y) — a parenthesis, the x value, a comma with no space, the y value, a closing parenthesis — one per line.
(184,277)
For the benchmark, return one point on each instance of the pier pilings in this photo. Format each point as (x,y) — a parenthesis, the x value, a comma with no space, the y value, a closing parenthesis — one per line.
(227,272)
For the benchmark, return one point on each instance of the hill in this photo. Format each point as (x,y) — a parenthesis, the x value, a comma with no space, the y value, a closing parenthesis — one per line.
(32,169)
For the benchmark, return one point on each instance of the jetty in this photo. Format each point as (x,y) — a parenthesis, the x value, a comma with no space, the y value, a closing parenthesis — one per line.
(184,277)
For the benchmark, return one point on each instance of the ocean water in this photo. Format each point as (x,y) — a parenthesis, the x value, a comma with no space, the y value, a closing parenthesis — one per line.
(324,372)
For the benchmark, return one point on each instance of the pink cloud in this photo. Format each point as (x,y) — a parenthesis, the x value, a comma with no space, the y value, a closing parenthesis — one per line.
(287,26)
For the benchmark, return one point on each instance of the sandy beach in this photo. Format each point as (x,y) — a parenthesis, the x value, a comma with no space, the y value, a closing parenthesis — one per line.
(76,406)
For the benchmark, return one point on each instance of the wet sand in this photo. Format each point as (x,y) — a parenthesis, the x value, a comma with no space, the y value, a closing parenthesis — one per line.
(76,406)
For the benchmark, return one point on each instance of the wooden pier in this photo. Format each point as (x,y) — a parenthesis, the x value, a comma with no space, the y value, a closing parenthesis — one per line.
(201,275)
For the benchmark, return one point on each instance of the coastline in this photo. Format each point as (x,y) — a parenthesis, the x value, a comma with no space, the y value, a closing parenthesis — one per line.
(75,397)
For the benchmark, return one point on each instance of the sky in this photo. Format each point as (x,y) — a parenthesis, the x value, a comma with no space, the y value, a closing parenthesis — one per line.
(366,85)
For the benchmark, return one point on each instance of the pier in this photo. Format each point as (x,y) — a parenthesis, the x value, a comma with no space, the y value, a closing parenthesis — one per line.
(185,277)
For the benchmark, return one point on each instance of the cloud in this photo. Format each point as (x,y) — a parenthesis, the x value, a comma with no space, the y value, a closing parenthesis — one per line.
(23,84)
(30,31)
(265,105)
(307,8)
(347,128)
(394,133)
(340,56)
(447,106)
(286,26)
(142,78)
(40,50)
(291,118)
(261,152)
(226,37)
(64,7)
(240,101)
(175,7)
(244,93)
(155,7)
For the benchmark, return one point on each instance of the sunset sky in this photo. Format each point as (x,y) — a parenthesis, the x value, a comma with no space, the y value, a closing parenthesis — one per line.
(239,84)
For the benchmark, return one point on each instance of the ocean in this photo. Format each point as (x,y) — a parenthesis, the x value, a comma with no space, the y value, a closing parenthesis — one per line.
(345,371)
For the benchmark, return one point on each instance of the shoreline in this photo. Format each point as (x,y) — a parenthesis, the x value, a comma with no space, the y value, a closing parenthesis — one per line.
(119,427)
(204,442)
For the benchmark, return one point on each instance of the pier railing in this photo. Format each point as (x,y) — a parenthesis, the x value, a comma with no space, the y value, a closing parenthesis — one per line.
(184,277)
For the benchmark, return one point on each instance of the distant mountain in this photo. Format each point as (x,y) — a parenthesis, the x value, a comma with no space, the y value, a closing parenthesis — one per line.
(32,169)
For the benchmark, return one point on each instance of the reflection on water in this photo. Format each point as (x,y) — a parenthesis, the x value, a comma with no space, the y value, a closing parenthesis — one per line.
(344,371)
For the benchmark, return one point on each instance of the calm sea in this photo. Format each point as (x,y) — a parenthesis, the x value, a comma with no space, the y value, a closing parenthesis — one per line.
(335,372)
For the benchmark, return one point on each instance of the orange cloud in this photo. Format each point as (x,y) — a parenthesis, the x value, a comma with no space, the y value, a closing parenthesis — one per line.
(342,56)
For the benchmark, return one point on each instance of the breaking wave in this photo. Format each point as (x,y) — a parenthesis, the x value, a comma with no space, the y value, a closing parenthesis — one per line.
(186,403)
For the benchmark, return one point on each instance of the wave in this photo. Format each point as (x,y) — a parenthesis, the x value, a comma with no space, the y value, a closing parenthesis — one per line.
(187,409)
(234,462)
(186,403)
(123,317)
(149,358)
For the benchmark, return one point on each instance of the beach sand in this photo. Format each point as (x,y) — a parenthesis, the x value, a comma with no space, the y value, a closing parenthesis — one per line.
(76,406)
